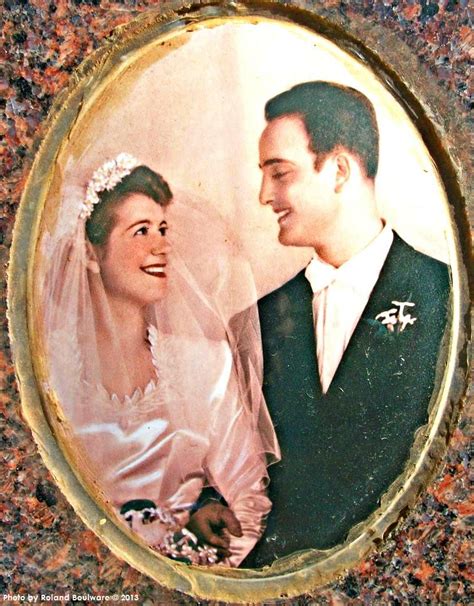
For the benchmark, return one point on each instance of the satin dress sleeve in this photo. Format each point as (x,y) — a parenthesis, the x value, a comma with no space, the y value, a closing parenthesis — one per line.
(235,463)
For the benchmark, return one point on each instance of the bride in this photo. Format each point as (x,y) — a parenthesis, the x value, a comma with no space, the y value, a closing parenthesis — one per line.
(148,385)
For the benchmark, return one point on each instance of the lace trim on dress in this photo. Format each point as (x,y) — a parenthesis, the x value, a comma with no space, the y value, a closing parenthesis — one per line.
(139,398)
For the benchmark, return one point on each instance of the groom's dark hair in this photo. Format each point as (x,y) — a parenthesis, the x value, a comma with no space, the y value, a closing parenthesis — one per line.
(334,116)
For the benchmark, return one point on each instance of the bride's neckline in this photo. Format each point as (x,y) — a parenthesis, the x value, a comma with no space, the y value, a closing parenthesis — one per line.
(139,392)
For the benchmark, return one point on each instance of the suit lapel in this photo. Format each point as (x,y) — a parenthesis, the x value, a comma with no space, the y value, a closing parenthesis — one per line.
(371,342)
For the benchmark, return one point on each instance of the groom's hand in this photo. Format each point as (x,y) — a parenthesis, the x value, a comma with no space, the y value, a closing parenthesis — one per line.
(213,524)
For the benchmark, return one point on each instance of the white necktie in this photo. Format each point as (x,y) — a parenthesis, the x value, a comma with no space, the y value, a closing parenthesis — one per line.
(330,322)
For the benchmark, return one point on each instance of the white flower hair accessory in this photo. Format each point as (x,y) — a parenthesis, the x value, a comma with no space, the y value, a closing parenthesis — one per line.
(106,177)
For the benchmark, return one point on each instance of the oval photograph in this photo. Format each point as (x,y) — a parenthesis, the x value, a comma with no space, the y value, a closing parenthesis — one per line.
(241,310)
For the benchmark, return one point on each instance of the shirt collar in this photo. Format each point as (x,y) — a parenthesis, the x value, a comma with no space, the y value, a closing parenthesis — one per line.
(361,271)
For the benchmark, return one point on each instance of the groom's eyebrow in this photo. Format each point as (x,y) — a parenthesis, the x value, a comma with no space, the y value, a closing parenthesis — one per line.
(271,161)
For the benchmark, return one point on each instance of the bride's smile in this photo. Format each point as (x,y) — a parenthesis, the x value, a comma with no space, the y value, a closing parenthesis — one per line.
(157,270)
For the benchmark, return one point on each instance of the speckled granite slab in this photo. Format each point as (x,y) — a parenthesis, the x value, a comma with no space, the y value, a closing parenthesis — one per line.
(46,550)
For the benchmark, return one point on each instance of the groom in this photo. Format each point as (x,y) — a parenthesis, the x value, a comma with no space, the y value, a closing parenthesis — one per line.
(351,343)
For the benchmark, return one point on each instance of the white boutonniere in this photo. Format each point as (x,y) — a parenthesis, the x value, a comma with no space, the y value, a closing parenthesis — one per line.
(397,318)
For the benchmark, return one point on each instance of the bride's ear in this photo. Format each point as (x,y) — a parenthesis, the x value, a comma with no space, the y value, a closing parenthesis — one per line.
(92,262)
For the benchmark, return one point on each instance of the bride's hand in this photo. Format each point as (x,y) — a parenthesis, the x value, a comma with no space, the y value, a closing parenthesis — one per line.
(213,524)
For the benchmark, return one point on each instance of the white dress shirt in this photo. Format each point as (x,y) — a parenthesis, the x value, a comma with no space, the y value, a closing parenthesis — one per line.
(340,296)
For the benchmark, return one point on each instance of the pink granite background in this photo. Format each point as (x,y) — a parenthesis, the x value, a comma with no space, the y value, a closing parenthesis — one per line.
(45,547)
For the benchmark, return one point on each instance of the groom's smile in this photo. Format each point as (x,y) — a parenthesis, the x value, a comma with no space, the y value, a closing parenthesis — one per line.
(282,214)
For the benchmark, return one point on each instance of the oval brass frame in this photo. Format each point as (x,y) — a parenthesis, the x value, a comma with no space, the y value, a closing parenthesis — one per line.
(302,572)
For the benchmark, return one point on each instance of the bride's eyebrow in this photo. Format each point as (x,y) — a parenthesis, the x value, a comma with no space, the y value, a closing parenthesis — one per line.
(141,222)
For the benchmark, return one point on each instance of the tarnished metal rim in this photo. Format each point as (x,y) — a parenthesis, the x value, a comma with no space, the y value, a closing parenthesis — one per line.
(302,572)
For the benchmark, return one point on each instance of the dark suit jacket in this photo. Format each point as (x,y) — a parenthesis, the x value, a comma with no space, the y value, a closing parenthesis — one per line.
(342,450)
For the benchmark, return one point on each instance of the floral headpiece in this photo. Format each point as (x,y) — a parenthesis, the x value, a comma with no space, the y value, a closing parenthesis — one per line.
(106,177)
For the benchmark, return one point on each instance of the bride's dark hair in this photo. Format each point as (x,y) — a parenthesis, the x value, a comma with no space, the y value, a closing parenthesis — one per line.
(142,180)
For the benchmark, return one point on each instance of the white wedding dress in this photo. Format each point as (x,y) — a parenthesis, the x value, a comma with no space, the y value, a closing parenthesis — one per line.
(187,429)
